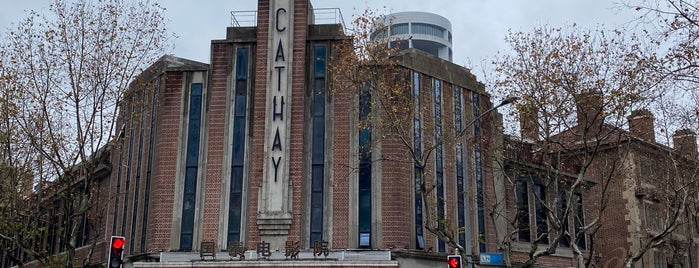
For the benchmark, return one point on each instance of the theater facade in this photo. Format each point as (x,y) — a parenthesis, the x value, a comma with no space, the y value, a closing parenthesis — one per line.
(262,145)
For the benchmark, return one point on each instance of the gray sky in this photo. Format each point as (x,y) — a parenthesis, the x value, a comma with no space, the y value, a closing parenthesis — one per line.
(479,26)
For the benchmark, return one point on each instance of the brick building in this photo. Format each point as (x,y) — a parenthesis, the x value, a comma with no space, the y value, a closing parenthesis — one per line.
(633,188)
(262,144)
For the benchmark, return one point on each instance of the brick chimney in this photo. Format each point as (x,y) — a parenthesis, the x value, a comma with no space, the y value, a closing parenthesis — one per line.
(641,125)
(589,105)
(528,126)
(685,142)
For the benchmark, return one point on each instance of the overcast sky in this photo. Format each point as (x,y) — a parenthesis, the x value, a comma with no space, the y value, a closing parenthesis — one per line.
(479,26)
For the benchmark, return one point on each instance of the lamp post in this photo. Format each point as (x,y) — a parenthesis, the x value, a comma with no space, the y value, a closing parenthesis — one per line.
(508,100)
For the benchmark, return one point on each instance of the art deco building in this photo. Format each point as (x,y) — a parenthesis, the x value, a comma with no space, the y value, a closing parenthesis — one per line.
(262,144)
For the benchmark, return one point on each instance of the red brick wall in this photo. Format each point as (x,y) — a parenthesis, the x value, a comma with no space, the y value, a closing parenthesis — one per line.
(258,122)
(216,119)
(396,208)
(611,240)
(341,157)
(165,162)
(298,88)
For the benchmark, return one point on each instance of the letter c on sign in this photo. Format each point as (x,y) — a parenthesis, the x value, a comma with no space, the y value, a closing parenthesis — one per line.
(278,13)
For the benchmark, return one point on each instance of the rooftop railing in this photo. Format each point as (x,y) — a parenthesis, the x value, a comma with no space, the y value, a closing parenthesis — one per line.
(244,18)
(320,16)
(328,16)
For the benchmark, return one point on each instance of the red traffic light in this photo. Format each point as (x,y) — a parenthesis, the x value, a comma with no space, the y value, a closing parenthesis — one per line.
(118,242)
(454,261)
(116,252)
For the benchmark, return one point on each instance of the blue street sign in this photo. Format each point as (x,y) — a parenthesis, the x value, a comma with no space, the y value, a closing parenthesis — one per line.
(491,259)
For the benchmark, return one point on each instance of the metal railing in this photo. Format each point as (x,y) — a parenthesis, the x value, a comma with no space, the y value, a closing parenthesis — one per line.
(327,16)
(244,18)
(320,16)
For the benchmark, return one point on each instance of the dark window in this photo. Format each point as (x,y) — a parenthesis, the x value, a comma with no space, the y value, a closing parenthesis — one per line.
(191,167)
(377,35)
(318,144)
(137,186)
(561,211)
(428,29)
(439,157)
(364,170)
(478,162)
(149,167)
(417,143)
(460,182)
(541,225)
(579,219)
(129,163)
(400,28)
(83,235)
(119,174)
(238,151)
(522,211)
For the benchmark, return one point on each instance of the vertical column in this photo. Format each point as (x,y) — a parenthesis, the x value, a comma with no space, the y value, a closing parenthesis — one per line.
(274,203)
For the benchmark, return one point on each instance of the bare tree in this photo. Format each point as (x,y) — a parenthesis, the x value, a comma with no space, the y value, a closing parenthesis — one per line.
(371,72)
(69,70)
(674,26)
(576,86)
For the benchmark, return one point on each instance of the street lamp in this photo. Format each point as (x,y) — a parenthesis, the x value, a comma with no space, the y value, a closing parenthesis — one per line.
(506,101)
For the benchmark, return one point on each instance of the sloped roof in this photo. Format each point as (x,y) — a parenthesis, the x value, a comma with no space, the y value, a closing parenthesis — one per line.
(169,63)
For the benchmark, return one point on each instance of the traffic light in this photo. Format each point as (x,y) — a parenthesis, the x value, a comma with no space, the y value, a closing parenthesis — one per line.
(454,261)
(116,248)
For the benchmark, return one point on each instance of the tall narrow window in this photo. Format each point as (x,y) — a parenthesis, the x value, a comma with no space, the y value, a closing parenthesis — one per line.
(318,144)
(128,164)
(137,182)
(365,169)
(119,174)
(191,167)
(561,211)
(522,211)
(579,220)
(439,157)
(479,172)
(460,182)
(417,145)
(541,224)
(238,151)
(149,166)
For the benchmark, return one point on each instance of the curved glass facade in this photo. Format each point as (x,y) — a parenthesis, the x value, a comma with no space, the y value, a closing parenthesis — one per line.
(424,31)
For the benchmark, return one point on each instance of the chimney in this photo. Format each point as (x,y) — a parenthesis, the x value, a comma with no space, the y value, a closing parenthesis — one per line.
(590,111)
(528,126)
(685,142)
(641,125)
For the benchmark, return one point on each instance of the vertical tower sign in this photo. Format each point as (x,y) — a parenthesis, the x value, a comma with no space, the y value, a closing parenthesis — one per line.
(274,217)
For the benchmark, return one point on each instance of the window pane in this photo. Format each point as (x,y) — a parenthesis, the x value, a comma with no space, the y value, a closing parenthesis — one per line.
(365,210)
(522,211)
(541,225)
(319,61)
(242,63)
(318,178)
(400,28)
(421,28)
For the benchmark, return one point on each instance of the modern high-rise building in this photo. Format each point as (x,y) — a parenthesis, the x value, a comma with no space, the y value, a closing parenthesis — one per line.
(424,31)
